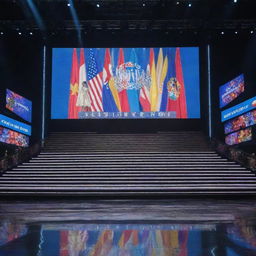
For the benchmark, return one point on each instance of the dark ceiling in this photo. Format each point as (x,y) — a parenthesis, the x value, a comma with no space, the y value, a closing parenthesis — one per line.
(53,15)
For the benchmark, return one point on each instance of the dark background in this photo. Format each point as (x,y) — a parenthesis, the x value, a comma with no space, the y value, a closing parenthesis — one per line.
(22,62)
(127,23)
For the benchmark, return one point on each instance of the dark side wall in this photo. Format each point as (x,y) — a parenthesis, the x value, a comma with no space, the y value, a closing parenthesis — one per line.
(232,55)
(21,72)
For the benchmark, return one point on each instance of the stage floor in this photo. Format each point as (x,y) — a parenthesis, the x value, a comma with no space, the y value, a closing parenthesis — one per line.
(128,227)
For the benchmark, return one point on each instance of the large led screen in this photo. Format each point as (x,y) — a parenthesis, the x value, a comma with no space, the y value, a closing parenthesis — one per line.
(125,83)
(239,137)
(19,105)
(231,90)
(11,137)
(240,122)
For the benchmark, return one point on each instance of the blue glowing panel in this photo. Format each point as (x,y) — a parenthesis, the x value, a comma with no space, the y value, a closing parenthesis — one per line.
(238,109)
(240,122)
(14,138)
(231,90)
(19,105)
(239,137)
(15,125)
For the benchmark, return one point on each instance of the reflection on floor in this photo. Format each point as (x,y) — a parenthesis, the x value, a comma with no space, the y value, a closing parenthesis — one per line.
(122,228)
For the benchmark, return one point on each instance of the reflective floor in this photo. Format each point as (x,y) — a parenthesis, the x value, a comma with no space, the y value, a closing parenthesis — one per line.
(126,227)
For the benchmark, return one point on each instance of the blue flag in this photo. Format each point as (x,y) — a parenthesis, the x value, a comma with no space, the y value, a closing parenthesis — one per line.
(108,101)
(133,93)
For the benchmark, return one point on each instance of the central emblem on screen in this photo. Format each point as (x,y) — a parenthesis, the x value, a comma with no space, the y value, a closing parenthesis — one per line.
(130,75)
(173,88)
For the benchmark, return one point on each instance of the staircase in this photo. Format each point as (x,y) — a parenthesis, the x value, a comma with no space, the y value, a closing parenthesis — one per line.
(159,164)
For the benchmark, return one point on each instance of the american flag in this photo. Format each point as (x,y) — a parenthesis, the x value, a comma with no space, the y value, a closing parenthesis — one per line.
(95,83)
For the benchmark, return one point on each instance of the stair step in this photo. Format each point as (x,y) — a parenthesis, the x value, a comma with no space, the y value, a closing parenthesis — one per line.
(89,159)
(132,153)
(103,194)
(135,188)
(132,169)
(130,185)
(123,162)
(136,178)
(127,174)
(126,182)
(129,167)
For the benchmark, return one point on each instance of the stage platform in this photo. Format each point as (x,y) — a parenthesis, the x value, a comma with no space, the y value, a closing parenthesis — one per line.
(127,227)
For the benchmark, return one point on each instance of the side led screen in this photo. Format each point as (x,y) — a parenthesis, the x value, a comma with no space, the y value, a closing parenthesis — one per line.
(240,122)
(15,125)
(238,109)
(15,138)
(125,83)
(19,105)
(231,90)
(239,137)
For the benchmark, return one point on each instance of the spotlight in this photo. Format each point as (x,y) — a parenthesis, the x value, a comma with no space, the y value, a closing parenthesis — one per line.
(1,33)
(222,33)
(31,33)
(236,32)
(189,5)
(143,4)
(235,1)
(177,2)
(98,5)
(19,33)
(68,4)
(251,31)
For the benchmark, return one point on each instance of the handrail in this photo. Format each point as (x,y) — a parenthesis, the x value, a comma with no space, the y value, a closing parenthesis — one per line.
(234,153)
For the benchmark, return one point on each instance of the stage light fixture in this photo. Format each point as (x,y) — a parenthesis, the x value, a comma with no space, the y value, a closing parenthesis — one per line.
(177,2)
(236,32)
(143,4)
(19,33)
(1,33)
(31,33)
(98,5)
(189,5)
(252,31)
(235,1)
(222,33)
(68,4)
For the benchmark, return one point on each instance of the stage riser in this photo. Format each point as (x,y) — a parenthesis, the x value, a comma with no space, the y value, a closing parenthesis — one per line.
(115,165)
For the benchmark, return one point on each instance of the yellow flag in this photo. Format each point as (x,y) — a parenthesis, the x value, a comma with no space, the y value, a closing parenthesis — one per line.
(161,81)
(159,68)
(153,87)
(114,92)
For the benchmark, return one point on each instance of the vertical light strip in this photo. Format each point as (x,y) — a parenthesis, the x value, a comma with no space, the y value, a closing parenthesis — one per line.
(43,94)
(209,89)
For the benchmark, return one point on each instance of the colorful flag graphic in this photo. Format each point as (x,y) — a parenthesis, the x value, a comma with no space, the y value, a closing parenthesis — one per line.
(109,104)
(73,93)
(94,83)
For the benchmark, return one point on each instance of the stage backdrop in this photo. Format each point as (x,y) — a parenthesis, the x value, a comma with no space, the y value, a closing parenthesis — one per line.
(125,83)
